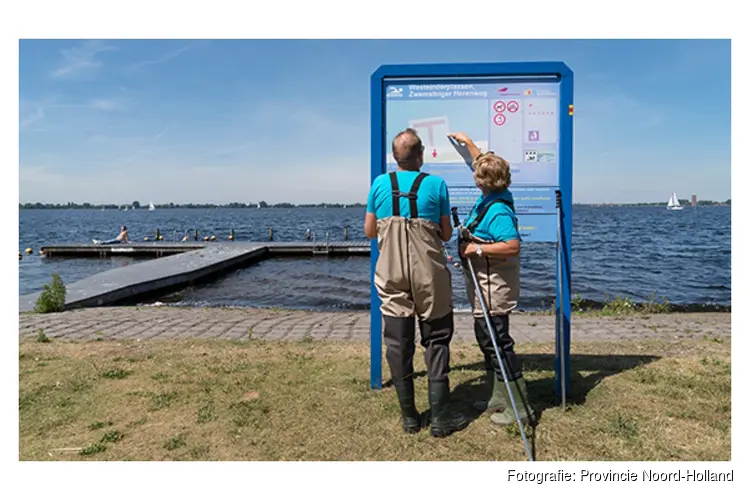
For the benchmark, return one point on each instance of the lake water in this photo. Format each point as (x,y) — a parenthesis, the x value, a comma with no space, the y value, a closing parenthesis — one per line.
(639,252)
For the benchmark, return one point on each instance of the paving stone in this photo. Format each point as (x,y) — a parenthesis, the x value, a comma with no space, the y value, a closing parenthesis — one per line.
(168,322)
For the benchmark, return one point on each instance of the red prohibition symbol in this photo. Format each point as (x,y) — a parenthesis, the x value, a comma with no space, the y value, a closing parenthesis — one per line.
(499,106)
(512,106)
(499,119)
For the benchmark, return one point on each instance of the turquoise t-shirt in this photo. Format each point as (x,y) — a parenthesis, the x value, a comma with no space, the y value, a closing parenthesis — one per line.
(432,197)
(499,223)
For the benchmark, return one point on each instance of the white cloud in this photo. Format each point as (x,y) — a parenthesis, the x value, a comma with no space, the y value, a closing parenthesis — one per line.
(32,116)
(105,104)
(81,59)
(160,134)
(158,60)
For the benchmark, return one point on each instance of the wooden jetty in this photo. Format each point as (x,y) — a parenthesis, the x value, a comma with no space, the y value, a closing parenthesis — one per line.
(129,250)
(174,265)
(158,249)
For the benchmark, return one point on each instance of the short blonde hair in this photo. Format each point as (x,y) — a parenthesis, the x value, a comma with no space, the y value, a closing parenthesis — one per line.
(492,172)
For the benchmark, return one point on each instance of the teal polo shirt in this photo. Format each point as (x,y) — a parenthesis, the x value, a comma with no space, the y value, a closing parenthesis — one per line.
(432,197)
(499,223)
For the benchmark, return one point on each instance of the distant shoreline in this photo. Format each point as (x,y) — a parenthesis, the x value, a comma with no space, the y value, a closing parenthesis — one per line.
(658,204)
(86,206)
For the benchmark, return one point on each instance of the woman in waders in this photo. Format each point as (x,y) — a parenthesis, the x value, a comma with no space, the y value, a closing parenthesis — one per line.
(493,245)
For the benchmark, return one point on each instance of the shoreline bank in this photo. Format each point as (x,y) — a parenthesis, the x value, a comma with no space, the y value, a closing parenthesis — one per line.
(146,323)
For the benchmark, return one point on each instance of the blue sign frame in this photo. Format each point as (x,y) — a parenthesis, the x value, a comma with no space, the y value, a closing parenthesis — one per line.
(523,71)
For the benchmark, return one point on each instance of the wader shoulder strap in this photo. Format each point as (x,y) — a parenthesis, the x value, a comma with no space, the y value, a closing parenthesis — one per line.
(396,194)
(413,195)
(475,223)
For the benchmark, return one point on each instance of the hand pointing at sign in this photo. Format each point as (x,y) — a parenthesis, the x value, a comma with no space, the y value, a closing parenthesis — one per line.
(464,139)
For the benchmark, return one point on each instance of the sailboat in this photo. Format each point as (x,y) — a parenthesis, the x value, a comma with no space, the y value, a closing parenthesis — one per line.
(151,207)
(674,203)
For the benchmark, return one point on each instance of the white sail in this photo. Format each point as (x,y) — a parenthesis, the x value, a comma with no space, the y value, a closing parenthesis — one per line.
(151,206)
(674,203)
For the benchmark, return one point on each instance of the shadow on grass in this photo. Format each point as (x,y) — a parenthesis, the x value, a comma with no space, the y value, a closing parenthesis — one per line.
(541,390)
(596,368)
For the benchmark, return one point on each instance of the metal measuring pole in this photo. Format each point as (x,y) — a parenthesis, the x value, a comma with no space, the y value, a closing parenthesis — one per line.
(560,328)
(491,330)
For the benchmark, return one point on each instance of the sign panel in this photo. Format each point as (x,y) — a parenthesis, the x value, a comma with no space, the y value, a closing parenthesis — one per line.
(523,112)
(518,121)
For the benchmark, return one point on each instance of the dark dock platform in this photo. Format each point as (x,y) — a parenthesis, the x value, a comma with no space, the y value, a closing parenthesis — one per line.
(159,249)
(131,249)
(174,265)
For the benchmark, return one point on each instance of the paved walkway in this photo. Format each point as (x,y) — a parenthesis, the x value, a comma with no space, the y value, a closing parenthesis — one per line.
(144,323)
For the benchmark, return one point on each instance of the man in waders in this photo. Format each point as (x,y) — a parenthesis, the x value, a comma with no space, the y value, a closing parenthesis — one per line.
(408,211)
(493,245)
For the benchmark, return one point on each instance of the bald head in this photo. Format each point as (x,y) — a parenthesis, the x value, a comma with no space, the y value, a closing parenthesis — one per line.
(407,150)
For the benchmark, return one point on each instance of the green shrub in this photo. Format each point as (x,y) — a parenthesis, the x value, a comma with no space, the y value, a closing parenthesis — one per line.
(653,306)
(576,303)
(618,306)
(52,298)
(93,449)
(41,337)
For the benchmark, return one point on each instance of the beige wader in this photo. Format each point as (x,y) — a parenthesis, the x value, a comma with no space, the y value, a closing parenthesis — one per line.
(412,279)
(499,280)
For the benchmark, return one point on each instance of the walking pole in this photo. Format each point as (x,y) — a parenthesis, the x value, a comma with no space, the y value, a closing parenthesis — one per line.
(560,329)
(491,329)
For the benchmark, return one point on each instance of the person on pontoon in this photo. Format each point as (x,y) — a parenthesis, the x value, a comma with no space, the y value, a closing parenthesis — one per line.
(121,238)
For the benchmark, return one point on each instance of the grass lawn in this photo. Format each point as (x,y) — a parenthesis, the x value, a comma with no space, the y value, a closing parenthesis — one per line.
(310,400)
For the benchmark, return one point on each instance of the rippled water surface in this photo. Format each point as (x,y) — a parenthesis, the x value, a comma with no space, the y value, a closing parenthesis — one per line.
(634,251)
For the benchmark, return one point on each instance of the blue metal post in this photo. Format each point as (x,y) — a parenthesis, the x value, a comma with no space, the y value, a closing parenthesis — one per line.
(377,132)
(562,352)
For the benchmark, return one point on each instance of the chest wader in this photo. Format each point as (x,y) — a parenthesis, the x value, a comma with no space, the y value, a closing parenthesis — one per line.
(412,279)
(499,279)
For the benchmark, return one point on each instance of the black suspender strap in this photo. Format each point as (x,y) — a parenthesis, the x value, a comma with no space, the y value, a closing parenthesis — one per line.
(413,195)
(396,194)
(471,227)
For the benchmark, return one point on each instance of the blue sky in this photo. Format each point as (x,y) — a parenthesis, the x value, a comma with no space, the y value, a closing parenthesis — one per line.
(283,120)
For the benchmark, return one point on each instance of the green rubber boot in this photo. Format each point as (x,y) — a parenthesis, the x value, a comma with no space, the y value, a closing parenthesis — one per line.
(520,396)
(442,422)
(497,401)
(409,415)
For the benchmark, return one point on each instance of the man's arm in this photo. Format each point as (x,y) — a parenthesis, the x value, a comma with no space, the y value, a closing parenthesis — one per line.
(445,227)
(371,225)
(445,212)
(371,220)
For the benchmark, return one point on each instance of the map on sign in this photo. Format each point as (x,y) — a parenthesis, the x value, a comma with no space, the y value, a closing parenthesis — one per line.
(518,121)
(438,147)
